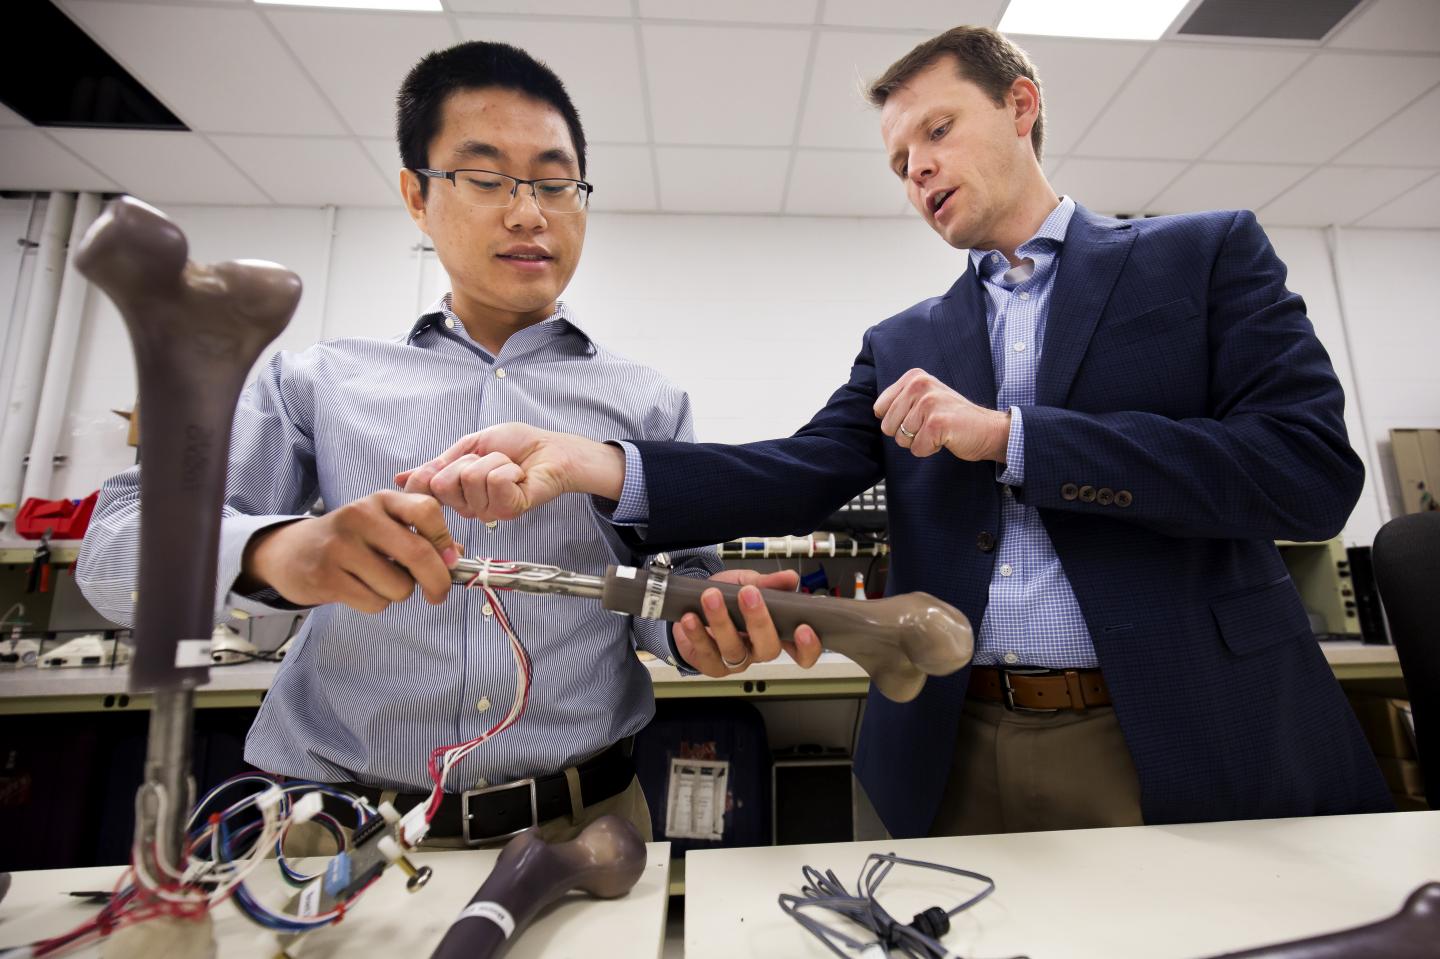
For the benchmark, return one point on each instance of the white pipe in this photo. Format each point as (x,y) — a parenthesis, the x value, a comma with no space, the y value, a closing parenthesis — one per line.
(60,365)
(19,421)
(9,342)
(322,289)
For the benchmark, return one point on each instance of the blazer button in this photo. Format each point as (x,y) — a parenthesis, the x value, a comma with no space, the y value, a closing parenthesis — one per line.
(1105,496)
(1123,498)
(1087,494)
(985,542)
(1069,491)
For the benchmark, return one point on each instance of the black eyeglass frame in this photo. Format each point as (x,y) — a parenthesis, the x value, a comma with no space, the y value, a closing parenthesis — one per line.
(586,187)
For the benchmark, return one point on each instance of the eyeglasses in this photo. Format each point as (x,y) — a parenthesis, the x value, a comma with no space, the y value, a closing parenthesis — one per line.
(487,188)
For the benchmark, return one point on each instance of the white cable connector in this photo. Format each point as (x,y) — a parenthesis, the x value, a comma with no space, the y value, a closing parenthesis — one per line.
(270,798)
(413,827)
(307,807)
(390,849)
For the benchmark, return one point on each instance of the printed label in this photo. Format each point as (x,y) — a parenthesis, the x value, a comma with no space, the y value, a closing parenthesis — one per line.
(309,904)
(695,805)
(192,652)
(493,911)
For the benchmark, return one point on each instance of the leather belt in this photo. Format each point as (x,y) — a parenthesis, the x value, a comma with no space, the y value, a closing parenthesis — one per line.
(493,813)
(1046,689)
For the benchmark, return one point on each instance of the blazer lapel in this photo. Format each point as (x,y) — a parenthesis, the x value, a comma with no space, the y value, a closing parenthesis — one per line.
(958,321)
(1094,252)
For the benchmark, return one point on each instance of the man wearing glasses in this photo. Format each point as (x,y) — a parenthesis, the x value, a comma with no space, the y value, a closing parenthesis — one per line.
(494,158)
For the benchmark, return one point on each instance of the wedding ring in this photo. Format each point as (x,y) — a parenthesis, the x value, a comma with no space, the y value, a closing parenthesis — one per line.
(735,667)
(906,433)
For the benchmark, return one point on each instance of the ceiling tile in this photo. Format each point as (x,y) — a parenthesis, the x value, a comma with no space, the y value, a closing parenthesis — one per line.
(163,167)
(624,178)
(1339,195)
(1227,186)
(360,59)
(309,171)
(747,11)
(1115,186)
(1394,25)
(1077,80)
(1325,105)
(1182,118)
(711,180)
(579,8)
(9,118)
(1419,208)
(842,183)
(836,112)
(33,161)
(598,63)
(387,157)
(697,94)
(1410,138)
(219,69)
(914,14)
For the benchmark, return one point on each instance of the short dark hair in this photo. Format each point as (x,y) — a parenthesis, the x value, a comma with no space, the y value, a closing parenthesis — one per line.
(472,66)
(984,57)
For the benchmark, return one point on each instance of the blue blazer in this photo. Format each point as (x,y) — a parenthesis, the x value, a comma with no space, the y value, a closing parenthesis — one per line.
(1177,367)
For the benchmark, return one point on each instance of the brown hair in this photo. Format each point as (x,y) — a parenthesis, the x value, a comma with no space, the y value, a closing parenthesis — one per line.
(984,57)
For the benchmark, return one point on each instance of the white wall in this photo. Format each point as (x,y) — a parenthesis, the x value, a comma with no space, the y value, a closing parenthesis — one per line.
(1391,285)
(758,317)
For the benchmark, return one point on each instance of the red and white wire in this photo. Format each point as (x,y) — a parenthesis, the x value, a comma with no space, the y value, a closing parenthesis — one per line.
(445,758)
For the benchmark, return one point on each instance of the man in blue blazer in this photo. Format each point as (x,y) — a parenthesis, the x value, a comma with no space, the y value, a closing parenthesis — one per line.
(1090,444)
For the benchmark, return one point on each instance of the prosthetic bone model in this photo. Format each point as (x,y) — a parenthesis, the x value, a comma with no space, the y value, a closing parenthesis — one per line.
(197,331)
(898,641)
(605,860)
(1411,933)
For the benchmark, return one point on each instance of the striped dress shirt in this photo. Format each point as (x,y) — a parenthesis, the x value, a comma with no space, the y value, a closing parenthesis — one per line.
(367,697)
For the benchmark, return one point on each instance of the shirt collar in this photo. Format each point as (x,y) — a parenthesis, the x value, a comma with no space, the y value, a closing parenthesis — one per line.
(440,311)
(1052,231)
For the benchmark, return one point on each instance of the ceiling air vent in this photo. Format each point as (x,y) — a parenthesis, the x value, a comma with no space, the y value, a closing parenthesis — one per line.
(64,79)
(1269,19)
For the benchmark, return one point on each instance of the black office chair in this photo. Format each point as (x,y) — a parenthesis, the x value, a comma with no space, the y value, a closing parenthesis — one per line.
(1406,557)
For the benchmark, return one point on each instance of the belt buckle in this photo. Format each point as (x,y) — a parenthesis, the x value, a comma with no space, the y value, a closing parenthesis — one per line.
(1008,691)
(465,815)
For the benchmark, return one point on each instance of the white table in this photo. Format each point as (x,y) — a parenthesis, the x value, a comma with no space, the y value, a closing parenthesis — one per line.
(1144,891)
(387,921)
(101,689)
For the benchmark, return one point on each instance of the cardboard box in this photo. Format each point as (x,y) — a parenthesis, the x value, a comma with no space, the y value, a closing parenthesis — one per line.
(1417,464)
(1386,725)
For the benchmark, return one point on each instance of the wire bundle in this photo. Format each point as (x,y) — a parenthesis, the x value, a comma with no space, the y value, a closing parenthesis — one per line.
(224,838)
(225,847)
(445,758)
(222,851)
(918,939)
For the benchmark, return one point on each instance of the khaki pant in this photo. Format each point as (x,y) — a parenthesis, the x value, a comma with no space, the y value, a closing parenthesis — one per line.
(311,839)
(1026,771)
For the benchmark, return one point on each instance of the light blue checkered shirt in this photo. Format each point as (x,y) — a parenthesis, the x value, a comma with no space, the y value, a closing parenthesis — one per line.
(367,697)
(1032,618)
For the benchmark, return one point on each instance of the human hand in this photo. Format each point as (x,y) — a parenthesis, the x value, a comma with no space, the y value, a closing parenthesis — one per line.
(708,645)
(925,416)
(504,471)
(364,554)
